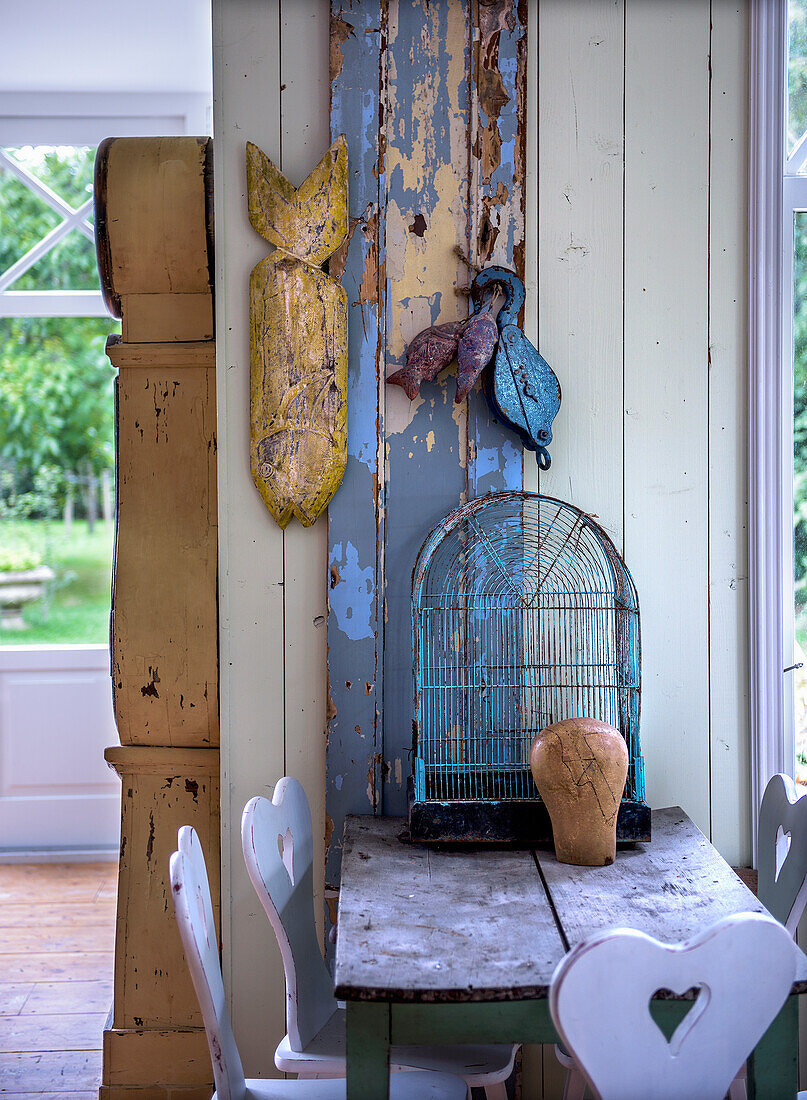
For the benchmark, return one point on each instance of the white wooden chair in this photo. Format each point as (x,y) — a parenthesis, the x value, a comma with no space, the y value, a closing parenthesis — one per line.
(278,849)
(781,887)
(191,893)
(782,851)
(600,1003)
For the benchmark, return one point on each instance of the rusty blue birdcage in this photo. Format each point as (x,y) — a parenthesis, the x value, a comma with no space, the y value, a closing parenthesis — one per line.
(523,614)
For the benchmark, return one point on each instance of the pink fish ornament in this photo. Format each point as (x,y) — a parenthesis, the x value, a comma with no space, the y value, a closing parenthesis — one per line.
(427,354)
(476,347)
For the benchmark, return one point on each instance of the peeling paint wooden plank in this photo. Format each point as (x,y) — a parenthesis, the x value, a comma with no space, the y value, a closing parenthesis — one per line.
(428,123)
(498,150)
(404,235)
(357,54)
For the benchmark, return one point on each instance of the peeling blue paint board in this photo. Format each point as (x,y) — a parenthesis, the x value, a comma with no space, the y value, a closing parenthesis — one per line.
(496,460)
(354,639)
(430,467)
(427,122)
(427,472)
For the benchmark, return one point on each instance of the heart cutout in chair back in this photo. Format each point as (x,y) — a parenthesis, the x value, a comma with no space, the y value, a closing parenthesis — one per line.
(783,842)
(743,967)
(285,848)
(782,837)
(693,1008)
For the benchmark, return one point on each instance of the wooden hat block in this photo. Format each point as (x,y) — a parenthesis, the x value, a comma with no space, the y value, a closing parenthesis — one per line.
(154,240)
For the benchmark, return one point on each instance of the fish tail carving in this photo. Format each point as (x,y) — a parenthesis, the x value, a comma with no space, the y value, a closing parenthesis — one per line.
(309,221)
(298,336)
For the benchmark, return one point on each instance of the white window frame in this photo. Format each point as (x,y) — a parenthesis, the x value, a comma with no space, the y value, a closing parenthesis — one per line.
(44,118)
(777,192)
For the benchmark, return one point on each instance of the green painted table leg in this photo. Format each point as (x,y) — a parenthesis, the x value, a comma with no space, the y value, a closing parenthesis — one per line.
(773,1067)
(367,1051)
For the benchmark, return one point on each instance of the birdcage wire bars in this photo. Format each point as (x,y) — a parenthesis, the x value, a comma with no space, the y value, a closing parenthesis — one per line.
(523,614)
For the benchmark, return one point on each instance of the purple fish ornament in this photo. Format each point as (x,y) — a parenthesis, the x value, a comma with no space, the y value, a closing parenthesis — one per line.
(427,354)
(476,347)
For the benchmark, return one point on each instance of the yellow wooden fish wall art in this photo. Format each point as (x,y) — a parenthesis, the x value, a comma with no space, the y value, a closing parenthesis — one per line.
(298,336)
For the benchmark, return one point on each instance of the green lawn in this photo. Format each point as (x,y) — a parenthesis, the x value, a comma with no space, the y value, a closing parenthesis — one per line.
(76,607)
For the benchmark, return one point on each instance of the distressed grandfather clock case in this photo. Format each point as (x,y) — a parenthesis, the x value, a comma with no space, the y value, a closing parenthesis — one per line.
(154,238)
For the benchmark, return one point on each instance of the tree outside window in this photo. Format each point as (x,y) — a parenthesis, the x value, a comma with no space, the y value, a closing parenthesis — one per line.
(56,398)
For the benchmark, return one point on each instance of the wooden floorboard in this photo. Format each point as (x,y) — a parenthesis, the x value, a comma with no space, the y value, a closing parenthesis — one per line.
(84,914)
(47,998)
(57,924)
(82,966)
(46,938)
(50,1095)
(65,1031)
(51,1071)
(13,996)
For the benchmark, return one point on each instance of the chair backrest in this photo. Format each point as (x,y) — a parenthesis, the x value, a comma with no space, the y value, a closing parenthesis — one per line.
(744,968)
(782,851)
(194,912)
(189,844)
(279,852)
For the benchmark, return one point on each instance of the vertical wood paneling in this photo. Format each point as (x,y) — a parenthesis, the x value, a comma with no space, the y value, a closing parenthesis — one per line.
(531,265)
(499,122)
(728,436)
(681,489)
(666,387)
(246,106)
(578,193)
(355,532)
(410,194)
(533,1057)
(427,125)
(304,138)
(580,173)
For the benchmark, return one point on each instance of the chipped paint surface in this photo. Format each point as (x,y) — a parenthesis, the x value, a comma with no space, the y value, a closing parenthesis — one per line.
(351,594)
(498,162)
(357,65)
(420,183)
(427,160)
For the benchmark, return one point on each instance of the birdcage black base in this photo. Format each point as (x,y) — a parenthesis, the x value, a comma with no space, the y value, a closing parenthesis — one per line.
(507,821)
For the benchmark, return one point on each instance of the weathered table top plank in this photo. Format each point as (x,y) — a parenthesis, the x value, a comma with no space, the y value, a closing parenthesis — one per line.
(423,925)
(672,888)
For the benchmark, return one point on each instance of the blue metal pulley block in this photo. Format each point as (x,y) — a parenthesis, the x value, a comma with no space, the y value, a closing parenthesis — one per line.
(521,387)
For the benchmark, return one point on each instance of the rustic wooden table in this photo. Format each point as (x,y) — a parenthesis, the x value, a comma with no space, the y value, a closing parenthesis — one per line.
(460,946)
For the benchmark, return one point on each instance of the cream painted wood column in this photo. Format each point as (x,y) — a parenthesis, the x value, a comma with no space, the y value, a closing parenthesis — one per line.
(152,222)
(270,80)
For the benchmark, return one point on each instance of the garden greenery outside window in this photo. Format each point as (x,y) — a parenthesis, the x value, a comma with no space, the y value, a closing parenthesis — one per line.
(56,396)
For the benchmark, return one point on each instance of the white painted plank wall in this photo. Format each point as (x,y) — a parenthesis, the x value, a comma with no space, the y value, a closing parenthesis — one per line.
(579,302)
(642,240)
(674,202)
(638,208)
(666,387)
(271,87)
(728,436)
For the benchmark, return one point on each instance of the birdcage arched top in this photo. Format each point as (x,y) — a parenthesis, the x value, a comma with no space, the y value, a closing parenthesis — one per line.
(517,549)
